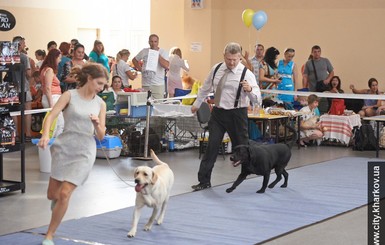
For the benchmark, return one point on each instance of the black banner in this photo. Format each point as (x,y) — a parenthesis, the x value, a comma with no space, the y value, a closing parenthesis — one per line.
(7,20)
(376,203)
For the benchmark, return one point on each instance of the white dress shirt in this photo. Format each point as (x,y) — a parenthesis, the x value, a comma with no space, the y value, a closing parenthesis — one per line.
(230,88)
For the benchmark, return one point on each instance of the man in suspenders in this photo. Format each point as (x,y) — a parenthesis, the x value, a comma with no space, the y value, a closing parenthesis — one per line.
(234,88)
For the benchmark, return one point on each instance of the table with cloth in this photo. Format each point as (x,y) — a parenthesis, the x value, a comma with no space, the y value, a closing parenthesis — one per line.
(339,128)
(178,120)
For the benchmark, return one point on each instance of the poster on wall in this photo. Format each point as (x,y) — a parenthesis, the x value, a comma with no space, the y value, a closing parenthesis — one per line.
(9,53)
(197,4)
(196,47)
(7,20)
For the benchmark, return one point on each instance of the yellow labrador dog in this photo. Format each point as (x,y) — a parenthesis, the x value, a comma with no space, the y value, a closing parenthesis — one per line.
(153,186)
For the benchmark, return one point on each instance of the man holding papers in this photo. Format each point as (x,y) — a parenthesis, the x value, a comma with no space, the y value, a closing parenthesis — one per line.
(152,62)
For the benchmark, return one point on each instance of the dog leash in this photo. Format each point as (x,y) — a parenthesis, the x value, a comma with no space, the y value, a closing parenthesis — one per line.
(109,163)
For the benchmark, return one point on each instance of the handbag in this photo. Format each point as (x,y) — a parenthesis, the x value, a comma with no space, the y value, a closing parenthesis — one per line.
(320,85)
(337,107)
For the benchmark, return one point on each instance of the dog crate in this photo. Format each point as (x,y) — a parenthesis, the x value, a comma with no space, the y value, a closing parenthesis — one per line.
(110,146)
(132,98)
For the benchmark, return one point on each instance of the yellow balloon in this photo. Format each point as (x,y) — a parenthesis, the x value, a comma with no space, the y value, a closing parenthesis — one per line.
(247,17)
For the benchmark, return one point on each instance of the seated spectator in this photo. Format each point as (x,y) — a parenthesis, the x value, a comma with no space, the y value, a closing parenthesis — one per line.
(370,106)
(310,128)
(116,86)
(334,87)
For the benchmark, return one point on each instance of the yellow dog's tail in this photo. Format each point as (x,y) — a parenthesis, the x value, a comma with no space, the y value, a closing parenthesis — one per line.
(155,158)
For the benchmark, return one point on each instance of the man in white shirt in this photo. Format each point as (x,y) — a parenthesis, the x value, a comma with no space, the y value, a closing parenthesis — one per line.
(233,95)
(153,79)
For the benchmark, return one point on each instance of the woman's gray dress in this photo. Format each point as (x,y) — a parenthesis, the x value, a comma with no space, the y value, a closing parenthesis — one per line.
(74,151)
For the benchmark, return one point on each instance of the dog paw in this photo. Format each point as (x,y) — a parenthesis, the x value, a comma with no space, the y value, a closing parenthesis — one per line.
(229,190)
(131,234)
(147,227)
(261,191)
(271,186)
(284,186)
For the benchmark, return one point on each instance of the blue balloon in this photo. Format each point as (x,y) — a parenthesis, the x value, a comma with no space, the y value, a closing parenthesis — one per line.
(259,19)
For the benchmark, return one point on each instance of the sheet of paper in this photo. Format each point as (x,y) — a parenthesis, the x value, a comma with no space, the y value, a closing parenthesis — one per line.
(152,60)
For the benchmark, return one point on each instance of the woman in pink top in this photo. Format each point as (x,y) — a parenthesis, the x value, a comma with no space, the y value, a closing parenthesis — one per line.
(51,84)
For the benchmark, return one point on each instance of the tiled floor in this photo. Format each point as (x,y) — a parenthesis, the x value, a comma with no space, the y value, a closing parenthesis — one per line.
(105,191)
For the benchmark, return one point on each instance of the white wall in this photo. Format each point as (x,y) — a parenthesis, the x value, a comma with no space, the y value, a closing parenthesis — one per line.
(121,24)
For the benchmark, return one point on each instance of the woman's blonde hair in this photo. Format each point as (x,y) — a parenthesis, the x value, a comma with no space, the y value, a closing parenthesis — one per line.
(96,43)
(177,51)
(121,53)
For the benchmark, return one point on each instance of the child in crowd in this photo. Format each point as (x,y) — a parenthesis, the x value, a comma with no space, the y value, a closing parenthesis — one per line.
(36,90)
(39,55)
(310,127)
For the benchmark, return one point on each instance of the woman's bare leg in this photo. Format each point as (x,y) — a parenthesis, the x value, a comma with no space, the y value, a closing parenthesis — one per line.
(62,196)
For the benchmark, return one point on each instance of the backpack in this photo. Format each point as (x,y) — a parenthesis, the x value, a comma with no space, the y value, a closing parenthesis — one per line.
(323,105)
(382,138)
(337,107)
(364,139)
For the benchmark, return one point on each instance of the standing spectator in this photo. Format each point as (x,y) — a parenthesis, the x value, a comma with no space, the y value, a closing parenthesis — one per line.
(97,55)
(74,151)
(39,55)
(152,79)
(227,115)
(77,60)
(122,69)
(51,85)
(245,60)
(370,106)
(73,42)
(287,72)
(116,86)
(24,60)
(65,57)
(174,79)
(303,72)
(318,70)
(257,60)
(268,74)
(51,45)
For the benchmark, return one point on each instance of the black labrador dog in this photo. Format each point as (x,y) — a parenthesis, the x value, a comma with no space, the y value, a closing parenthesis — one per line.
(261,159)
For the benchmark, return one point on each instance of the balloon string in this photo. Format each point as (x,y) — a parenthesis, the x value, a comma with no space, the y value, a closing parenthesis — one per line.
(249,42)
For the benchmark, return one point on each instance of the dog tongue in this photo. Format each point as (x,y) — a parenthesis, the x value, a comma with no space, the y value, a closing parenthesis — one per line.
(138,187)
(235,164)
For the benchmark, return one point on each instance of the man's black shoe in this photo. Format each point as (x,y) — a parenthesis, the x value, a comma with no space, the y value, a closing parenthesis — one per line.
(201,186)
